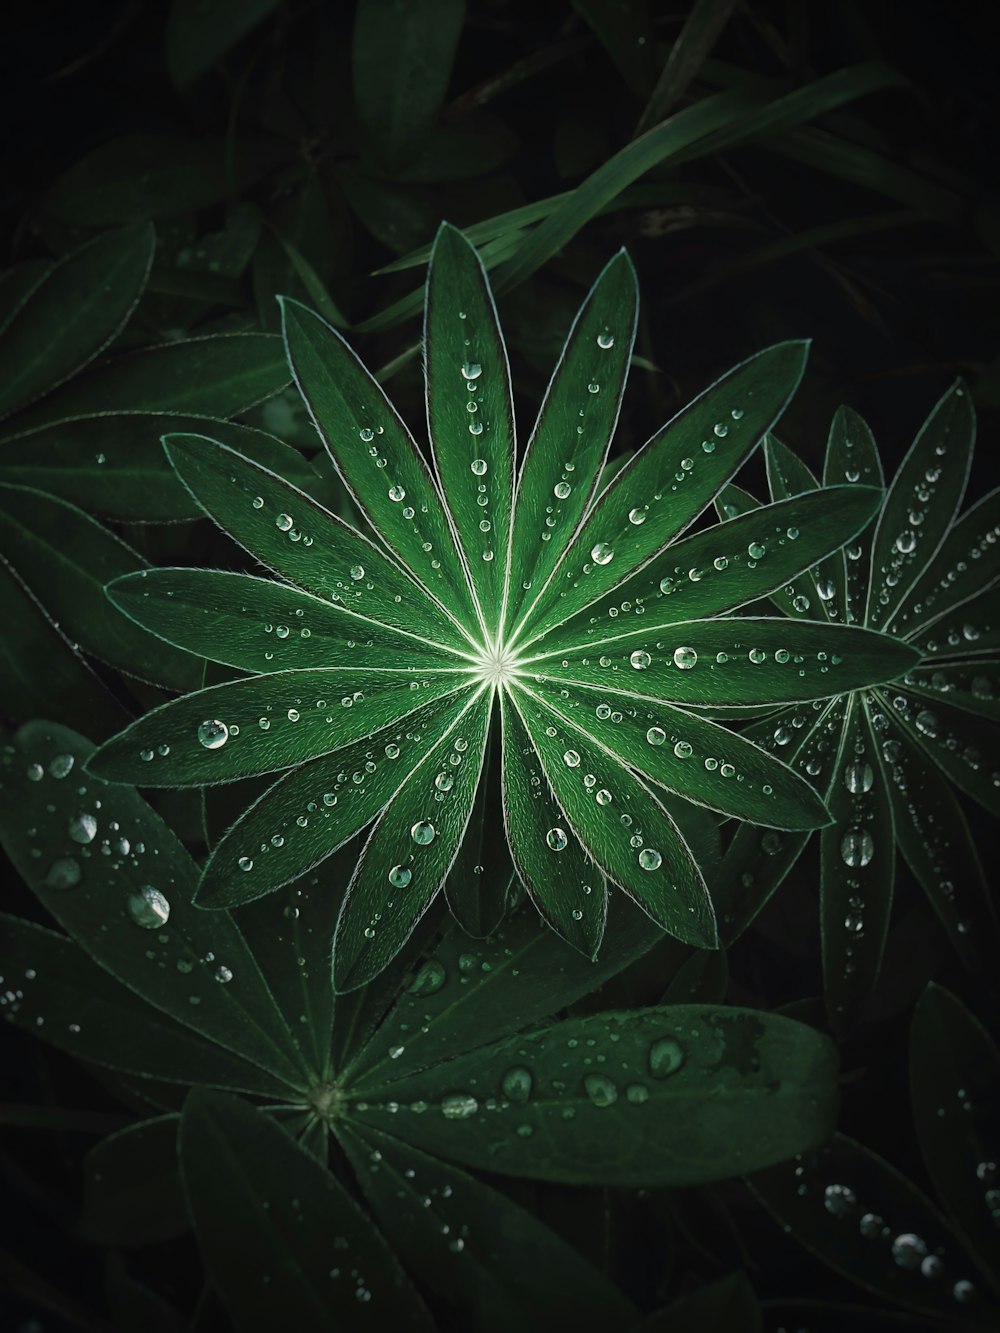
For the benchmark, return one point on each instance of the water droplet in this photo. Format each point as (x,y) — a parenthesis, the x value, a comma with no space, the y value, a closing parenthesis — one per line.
(650,859)
(557,839)
(479,466)
(858,778)
(516,1084)
(656,736)
(665,1057)
(212,733)
(83,829)
(430,977)
(839,1200)
(63,874)
(400,876)
(856,847)
(927,723)
(908,1250)
(245,863)
(357,572)
(605,340)
(637,516)
(601,1091)
(61,765)
(148,908)
(640,659)
(963,1291)
(683,750)
(571,759)
(423,832)
(471,370)
(562,490)
(223,975)
(604,797)
(756,655)
(685,658)
(283,522)
(755,551)
(459,1106)
(826,589)
(601,554)
(396,493)
(593,387)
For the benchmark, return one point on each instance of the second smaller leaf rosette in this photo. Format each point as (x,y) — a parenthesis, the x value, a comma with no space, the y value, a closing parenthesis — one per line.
(586,627)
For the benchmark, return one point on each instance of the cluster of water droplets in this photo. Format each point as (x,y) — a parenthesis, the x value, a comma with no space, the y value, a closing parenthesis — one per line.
(963,576)
(952,736)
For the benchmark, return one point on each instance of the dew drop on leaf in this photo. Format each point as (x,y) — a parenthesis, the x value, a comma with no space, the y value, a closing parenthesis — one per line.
(423,832)
(908,1250)
(400,876)
(83,829)
(397,493)
(429,979)
(479,466)
(556,839)
(640,659)
(516,1084)
(605,340)
(858,778)
(357,572)
(601,554)
(685,658)
(472,371)
(571,759)
(459,1105)
(856,848)
(63,874)
(656,736)
(245,863)
(212,733)
(650,859)
(665,1057)
(61,765)
(600,1089)
(683,750)
(148,908)
(637,516)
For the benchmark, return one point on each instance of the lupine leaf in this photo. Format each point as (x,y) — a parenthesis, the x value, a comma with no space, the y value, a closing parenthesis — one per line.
(569,889)
(116,467)
(569,442)
(80,1009)
(971,627)
(685,1094)
(465,994)
(972,685)
(757,860)
(475,1247)
(628,524)
(399,498)
(728,565)
(965,749)
(954,1086)
(706,662)
(132,1194)
(300,540)
(306,714)
(260,625)
(934,837)
(621,824)
(482,879)
(76,310)
(118,880)
(967,562)
(691,756)
(218,375)
(268,1219)
(410,851)
(857,871)
(852,456)
(470,414)
(787,475)
(922,502)
(70,557)
(315,808)
(862,1218)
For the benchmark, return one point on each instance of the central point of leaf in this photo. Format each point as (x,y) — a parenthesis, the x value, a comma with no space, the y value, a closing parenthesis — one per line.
(326,1101)
(497,664)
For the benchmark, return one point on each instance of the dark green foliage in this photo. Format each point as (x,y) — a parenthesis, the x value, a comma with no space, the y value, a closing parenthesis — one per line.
(273,1060)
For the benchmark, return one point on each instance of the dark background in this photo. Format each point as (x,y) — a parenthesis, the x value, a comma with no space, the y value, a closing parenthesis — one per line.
(896,312)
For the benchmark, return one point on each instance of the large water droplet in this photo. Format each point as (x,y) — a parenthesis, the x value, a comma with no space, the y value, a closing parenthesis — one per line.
(61,765)
(562,490)
(400,876)
(640,659)
(601,554)
(665,1057)
(656,736)
(858,778)
(516,1084)
(856,847)
(600,1089)
(148,908)
(839,1200)
(459,1105)
(429,979)
(63,874)
(650,859)
(685,658)
(471,370)
(908,1250)
(212,733)
(557,839)
(423,832)
(605,340)
(83,829)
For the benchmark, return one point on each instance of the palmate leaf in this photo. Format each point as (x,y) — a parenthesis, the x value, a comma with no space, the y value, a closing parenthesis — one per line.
(923,579)
(465,604)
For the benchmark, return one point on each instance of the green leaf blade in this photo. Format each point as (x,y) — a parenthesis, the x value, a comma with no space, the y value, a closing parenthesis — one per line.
(470,414)
(721,1089)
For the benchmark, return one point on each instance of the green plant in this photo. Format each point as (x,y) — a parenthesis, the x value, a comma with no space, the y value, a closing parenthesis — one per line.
(581,620)
(449,1060)
(886,758)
